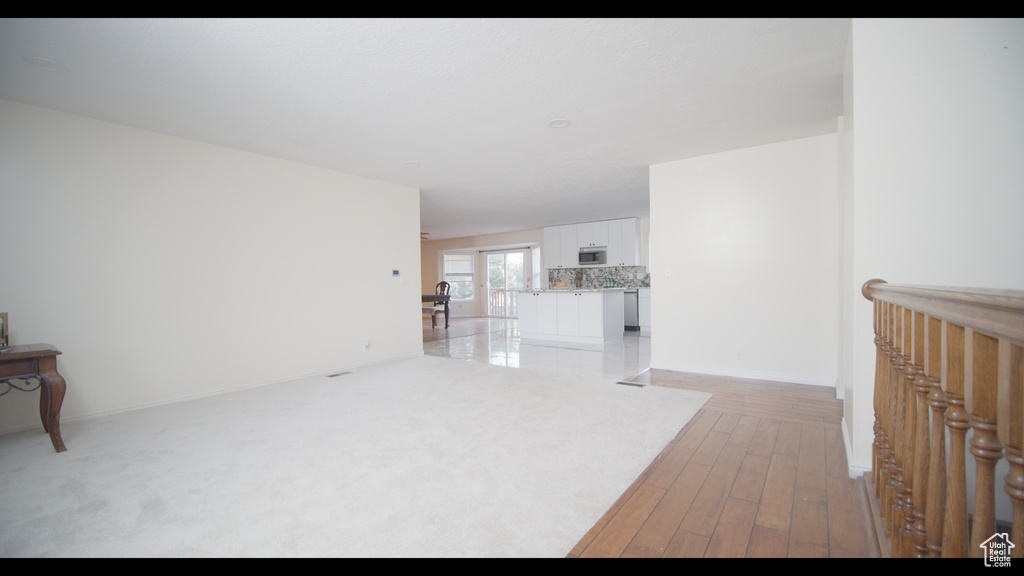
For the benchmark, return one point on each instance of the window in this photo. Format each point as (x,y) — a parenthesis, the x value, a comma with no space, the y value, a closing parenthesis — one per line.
(458,271)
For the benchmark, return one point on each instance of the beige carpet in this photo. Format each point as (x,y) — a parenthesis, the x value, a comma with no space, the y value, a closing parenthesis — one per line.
(422,457)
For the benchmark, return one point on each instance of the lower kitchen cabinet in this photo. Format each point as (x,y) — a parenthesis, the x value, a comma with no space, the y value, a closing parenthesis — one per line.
(586,318)
(538,313)
(567,309)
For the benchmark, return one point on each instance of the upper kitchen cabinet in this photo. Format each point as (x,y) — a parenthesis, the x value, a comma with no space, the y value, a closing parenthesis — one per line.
(592,234)
(560,246)
(624,242)
(619,238)
(552,248)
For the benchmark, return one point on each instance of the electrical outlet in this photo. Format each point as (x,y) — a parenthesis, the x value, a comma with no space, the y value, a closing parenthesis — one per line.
(366,345)
(739,353)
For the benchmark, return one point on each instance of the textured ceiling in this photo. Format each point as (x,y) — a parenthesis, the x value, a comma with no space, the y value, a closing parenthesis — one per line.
(468,100)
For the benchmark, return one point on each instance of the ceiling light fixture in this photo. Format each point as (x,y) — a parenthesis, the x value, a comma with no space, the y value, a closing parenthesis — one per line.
(558,123)
(46,64)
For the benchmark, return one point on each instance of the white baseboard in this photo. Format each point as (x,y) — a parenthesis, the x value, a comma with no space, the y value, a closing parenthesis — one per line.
(855,469)
(752,374)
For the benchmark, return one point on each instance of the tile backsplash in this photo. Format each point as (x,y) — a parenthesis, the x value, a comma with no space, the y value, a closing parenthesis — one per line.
(622,276)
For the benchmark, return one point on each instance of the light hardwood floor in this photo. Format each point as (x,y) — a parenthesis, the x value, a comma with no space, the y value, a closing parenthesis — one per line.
(760,471)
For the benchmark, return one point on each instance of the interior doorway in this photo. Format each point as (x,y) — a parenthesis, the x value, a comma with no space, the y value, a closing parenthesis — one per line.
(506,276)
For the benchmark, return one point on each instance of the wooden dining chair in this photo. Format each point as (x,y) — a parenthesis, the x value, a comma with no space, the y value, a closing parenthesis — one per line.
(442,289)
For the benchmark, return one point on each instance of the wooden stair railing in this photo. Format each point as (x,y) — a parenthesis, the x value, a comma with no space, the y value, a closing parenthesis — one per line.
(949,361)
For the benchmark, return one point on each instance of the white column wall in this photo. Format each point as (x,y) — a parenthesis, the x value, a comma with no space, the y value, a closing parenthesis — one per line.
(744,251)
(937,171)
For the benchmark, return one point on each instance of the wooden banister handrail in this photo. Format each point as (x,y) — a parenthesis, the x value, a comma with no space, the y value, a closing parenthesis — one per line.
(949,361)
(998,313)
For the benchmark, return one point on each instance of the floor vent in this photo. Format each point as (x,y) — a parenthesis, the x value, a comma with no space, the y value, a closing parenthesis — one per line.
(338,374)
(636,384)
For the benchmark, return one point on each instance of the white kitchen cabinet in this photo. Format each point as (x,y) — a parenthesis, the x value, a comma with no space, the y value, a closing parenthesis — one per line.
(560,249)
(552,247)
(547,316)
(570,257)
(592,234)
(581,313)
(620,239)
(568,311)
(577,318)
(537,313)
(624,242)
(592,315)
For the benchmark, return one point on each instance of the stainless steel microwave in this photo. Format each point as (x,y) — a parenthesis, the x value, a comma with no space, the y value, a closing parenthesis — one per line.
(592,257)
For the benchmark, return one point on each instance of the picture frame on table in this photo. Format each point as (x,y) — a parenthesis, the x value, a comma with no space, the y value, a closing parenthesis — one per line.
(3,329)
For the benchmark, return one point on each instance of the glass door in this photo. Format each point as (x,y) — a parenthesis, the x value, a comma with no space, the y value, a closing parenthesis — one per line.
(506,275)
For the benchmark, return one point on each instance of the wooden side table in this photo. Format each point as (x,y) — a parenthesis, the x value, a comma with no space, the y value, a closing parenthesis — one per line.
(31,360)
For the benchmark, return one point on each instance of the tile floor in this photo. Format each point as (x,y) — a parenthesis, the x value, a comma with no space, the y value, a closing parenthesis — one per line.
(496,341)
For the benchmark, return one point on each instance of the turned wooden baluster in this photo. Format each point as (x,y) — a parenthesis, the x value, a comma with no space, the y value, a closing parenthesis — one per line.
(1011,403)
(936,505)
(922,385)
(879,447)
(879,403)
(954,534)
(882,392)
(982,397)
(898,380)
(908,423)
(892,427)
(885,388)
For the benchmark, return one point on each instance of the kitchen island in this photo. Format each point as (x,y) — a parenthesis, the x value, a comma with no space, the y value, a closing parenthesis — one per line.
(576,318)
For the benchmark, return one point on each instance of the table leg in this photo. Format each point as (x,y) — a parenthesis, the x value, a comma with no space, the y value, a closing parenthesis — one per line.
(446,315)
(51,397)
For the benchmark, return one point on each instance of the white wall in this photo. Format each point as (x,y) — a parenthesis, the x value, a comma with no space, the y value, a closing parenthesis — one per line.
(849,301)
(938,170)
(744,251)
(165,268)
